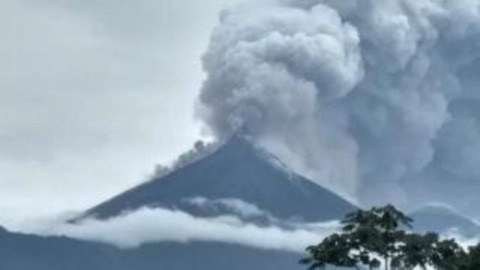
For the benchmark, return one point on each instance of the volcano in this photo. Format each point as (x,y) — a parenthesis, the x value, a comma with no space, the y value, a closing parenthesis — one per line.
(237,170)
(237,175)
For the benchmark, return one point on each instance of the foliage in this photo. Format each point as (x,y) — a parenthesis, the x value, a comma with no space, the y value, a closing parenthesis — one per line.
(467,260)
(333,250)
(379,233)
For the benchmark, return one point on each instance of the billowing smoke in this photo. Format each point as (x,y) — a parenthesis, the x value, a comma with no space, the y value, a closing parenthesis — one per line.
(371,98)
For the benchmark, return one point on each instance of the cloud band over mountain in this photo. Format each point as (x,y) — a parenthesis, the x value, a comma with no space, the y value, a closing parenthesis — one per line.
(151,225)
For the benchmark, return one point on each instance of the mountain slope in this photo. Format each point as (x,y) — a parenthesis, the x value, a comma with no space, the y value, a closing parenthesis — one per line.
(442,219)
(29,252)
(237,170)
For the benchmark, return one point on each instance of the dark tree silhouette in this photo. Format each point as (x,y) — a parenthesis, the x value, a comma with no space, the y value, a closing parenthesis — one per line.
(333,250)
(466,261)
(379,233)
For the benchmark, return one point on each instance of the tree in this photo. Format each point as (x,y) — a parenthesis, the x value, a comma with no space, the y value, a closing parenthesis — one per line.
(378,231)
(417,250)
(365,237)
(448,255)
(461,260)
(333,250)
(368,235)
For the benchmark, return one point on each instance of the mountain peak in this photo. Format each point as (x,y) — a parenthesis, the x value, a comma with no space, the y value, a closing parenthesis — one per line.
(239,144)
(236,170)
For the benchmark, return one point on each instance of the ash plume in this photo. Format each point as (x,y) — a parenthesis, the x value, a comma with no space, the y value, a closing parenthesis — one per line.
(377,100)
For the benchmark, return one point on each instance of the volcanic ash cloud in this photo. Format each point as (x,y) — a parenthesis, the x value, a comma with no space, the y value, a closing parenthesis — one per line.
(366,97)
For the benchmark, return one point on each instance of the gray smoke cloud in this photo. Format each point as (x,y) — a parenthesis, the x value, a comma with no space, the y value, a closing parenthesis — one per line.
(377,100)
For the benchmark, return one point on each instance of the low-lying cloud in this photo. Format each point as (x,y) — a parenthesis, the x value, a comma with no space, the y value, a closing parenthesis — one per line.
(149,225)
(152,225)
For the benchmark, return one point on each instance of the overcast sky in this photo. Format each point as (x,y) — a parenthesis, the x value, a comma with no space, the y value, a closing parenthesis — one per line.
(93,94)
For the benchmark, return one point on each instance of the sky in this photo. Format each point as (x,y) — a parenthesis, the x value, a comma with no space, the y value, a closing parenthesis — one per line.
(375,100)
(94,94)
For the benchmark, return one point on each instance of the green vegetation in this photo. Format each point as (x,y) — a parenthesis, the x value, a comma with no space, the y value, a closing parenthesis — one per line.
(380,236)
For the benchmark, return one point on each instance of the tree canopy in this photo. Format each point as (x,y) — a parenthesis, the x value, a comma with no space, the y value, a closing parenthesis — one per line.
(380,237)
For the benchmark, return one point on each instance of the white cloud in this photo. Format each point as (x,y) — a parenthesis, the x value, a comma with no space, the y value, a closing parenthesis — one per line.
(237,206)
(157,225)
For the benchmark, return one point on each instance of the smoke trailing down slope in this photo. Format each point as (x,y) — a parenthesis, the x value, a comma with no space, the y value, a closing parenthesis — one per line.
(368,97)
